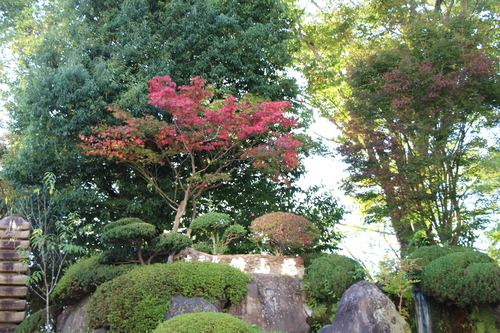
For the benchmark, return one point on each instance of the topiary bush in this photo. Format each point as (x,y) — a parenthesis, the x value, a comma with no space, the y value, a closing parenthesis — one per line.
(328,277)
(426,254)
(458,279)
(481,283)
(129,231)
(83,277)
(219,228)
(204,322)
(283,231)
(167,244)
(138,300)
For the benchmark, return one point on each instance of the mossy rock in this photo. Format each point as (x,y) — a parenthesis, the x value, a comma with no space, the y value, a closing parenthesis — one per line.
(138,300)
(205,322)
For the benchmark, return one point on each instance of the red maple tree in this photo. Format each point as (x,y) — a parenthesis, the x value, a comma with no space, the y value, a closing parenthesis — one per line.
(202,143)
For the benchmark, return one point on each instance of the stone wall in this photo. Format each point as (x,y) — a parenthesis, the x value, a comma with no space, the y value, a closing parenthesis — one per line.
(250,263)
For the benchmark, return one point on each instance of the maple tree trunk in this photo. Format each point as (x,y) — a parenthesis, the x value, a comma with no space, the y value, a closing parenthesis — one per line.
(181,209)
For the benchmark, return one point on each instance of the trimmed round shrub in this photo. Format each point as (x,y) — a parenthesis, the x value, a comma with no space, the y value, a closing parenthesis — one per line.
(218,227)
(328,277)
(283,231)
(127,231)
(446,278)
(481,284)
(138,300)
(204,322)
(83,277)
(426,254)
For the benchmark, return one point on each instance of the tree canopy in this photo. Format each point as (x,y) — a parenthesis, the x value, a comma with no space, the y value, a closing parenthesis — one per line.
(202,143)
(413,88)
(74,58)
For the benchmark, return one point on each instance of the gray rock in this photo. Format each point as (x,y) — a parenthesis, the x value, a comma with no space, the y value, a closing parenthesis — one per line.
(181,305)
(273,303)
(363,308)
(73,319)
(100,330)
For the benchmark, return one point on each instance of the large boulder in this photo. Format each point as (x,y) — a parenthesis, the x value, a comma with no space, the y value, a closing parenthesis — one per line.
(364,308)
(74,317)
(181,305)
(273,303)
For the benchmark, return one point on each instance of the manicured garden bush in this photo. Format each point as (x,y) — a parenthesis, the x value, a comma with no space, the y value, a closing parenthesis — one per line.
(204,322)
(481,283)
(129,231)
(138,300)
(83,277)
(282,232)
(426,254)
(328,277)
(219,227)
(462,278)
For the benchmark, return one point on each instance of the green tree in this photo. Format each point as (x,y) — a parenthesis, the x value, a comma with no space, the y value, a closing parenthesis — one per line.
(412,88)
(87,55)
(201,143)
(52,240)
(219,228)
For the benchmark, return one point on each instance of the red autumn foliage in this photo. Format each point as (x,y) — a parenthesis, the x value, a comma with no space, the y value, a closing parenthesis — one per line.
(203,140)
(284,230)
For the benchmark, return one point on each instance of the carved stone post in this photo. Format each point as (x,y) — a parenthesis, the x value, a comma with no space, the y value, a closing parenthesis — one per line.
(14,246)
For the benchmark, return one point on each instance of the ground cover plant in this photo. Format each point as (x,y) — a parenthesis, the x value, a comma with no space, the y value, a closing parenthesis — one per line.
(204,322)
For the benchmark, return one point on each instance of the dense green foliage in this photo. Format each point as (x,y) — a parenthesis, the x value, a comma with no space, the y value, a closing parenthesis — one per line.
(85,55)
(34,323)
(328,277)
(425,254)
(413,88)
(169,244)
(219,229)
(204,322)
(462,278)
(83,277)
(138,300)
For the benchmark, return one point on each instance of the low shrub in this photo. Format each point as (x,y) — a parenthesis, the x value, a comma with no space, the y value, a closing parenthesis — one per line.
(204,322)
(328,277)
(284,233)
(481,283)
(34,323)
(83,277)
(426,254)
(138,300)
(458,279)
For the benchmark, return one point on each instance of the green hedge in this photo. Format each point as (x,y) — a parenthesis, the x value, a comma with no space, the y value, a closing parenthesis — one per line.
(204,322)
(83,277)
(426,254)
(328,277)
(138,300)
(462,278)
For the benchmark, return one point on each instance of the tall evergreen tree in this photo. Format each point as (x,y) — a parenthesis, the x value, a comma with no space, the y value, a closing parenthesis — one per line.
(89,54)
